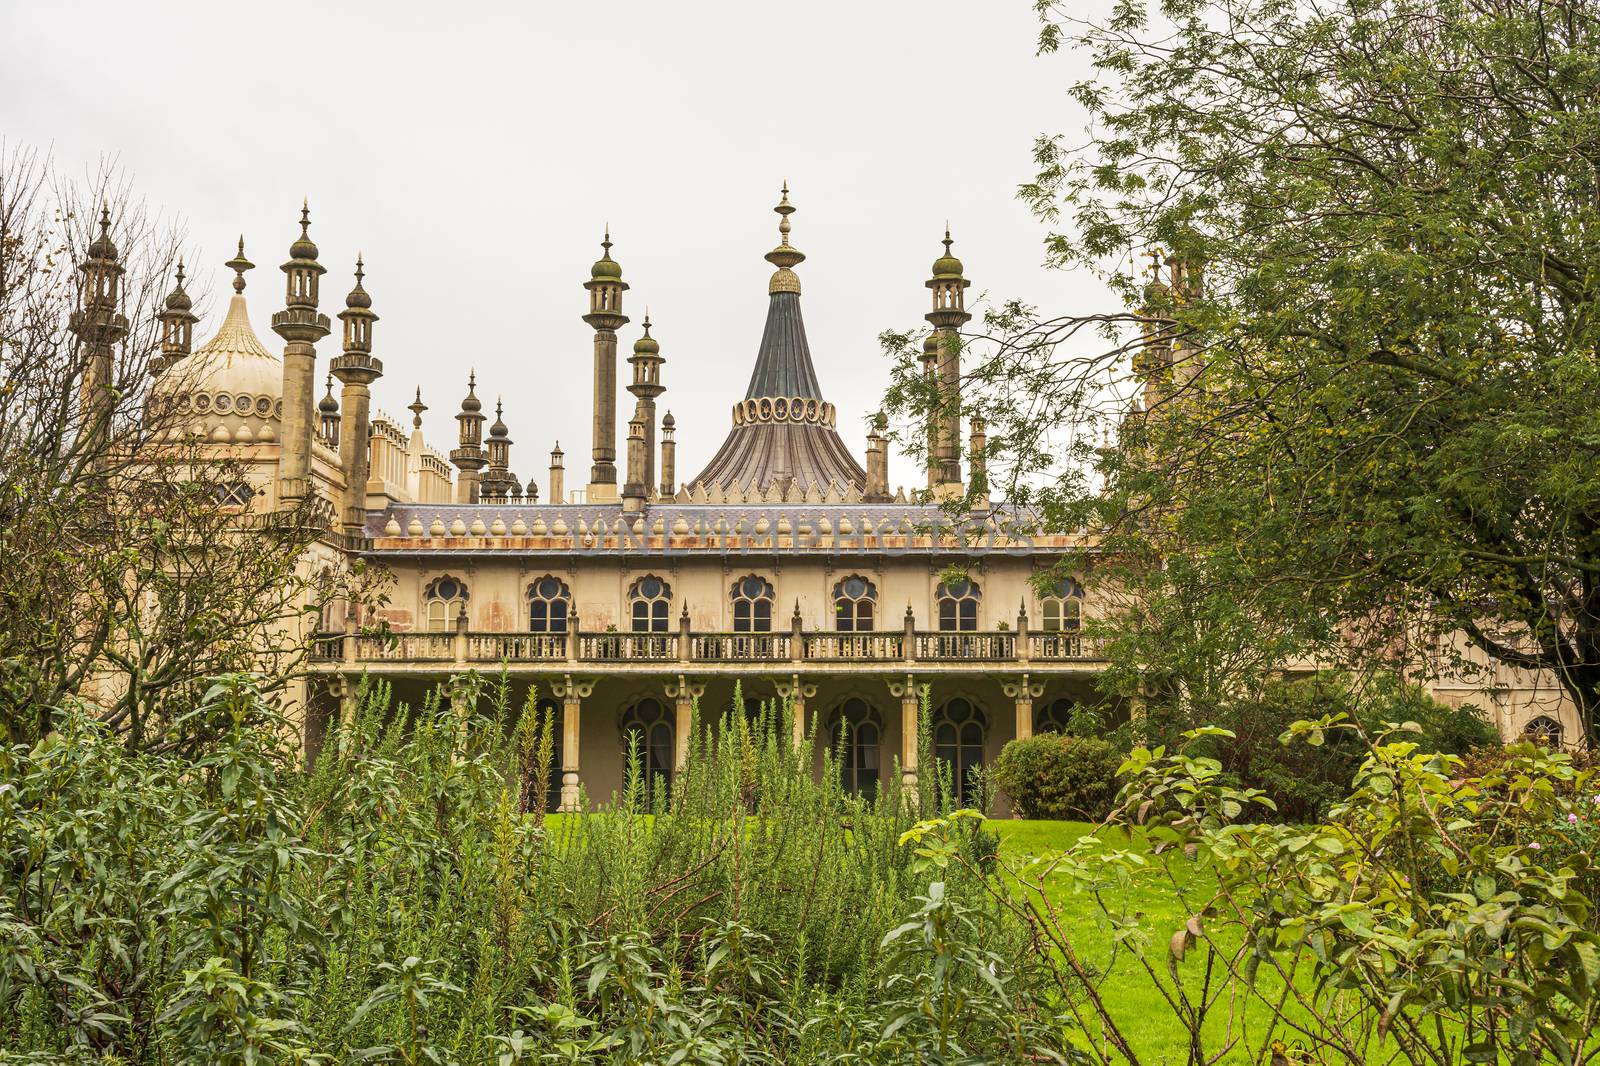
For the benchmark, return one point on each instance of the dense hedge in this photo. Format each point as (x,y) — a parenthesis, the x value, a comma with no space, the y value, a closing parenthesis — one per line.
(1056,776)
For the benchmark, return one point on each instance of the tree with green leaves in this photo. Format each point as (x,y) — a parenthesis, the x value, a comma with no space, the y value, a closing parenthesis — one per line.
(1355,411)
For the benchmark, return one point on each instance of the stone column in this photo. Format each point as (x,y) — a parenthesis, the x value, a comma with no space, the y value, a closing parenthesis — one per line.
(910,706)
(1024,693)
(796,692)
(572,694)
(685,692)
(301,326)
(356,400)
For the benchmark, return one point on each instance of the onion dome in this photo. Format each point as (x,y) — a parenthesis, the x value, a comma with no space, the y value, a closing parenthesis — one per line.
(499,431)
(102,247)
(669,422)
(328,405)
(605,268)
(178,299)
(471,404)
(358,297)
(304,247)
(646,345)
(947,265)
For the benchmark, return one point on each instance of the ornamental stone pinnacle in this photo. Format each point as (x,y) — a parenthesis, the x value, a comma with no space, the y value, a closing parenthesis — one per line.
(301,326)
(356,370)
(605,315)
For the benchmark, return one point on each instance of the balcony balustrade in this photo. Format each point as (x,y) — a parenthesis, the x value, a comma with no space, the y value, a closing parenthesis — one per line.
(725,649)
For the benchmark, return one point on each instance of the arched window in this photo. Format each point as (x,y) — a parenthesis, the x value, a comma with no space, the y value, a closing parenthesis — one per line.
(958,731)
(857,732)
(958,606)
(752,605)
(549,602)
(445,597)
(1063,607)
(1544,731)
(651,598)
(855,599)
(1052,717)
(647,728)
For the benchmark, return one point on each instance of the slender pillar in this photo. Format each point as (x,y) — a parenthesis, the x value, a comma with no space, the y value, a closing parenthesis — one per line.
(685,693)
(1023,692)
(356,370)
(877,461)
(572,693)
(605,315)
(646,362)
(637,487)
(949,314)
(99,326)
(796,692)
(669,457)
(910,707)
(300,326)
(558,475)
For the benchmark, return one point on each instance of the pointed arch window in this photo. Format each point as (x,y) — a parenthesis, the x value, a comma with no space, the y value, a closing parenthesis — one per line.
(958,732)
(651,599)
(1063,607)
(855,605)
(444,599)
(549,604)
(752,604)
(958,606)
(1544,731)
(856,731)
(648,733)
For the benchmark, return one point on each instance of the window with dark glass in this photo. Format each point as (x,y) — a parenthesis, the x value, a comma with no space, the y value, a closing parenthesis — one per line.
(549,602)
(752,605)
(958,731)
(651,599)
(958,606)
(855,600)
(1063,607)
(857,732)
(647,734)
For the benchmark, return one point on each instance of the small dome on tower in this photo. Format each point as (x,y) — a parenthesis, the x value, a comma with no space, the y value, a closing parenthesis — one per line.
(499,429)
(646,345)
(304,248)
(328,405)
(668,422)
(358,297)
(947,265)
(102,246)
(471,403)
(178,299)
(605,268)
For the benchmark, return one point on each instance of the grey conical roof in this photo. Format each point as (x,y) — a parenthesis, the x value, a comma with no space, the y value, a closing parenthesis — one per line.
(783,363)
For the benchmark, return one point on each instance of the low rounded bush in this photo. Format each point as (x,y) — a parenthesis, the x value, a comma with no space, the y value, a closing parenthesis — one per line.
(1056,776)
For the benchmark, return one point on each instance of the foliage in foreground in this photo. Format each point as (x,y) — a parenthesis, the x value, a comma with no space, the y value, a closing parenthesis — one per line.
(1056,776)
(1433,918)
(404,902)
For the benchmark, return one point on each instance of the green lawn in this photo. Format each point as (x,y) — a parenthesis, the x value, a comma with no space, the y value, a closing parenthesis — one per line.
(1141,1012)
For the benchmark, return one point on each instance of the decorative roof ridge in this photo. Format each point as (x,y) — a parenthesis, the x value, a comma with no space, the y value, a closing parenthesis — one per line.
(236,336)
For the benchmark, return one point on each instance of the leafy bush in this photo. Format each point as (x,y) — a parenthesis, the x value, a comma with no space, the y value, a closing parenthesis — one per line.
(1056,776)
(406,901)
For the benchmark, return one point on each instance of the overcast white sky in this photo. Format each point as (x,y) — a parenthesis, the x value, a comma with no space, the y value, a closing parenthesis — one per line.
(473,151)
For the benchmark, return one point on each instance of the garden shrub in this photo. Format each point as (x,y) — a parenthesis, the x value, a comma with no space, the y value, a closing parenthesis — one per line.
(1057,776)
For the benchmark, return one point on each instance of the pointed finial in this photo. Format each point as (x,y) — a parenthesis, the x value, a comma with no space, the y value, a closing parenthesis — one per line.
(785,256)
(605,242)
(947,241)
(499,407)
(647,321)
(416,408)
(180,272)
(105,218)
(305,215)
(361,274)
(239,264)
(472,379)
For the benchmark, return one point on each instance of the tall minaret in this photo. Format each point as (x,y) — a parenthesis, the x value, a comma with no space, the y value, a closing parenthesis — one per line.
(356,370)
(877,490)
(948,315)
(646,362)
(669,457)
(635,490)
(558,475)
(177,328)
(301,327)
(99,326)
(605,287)
(497,484)
(469,457)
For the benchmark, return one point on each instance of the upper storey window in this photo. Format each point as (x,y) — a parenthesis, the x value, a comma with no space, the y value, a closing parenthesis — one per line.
(445,598)
(650,597)
(1063,607)
(958,606)
(855,601)
(549,602)
(752,605)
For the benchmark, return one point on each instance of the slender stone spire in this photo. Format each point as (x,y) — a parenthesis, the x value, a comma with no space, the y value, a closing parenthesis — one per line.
(468,456)
(877,489)
(498,485)
(669,457)
(636,488)
(605,315)
(948,287)
(646,362)
(356,370)
(99,326)
(328,412)
(558,475)
(301,326)
(177,327)
(417,407)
